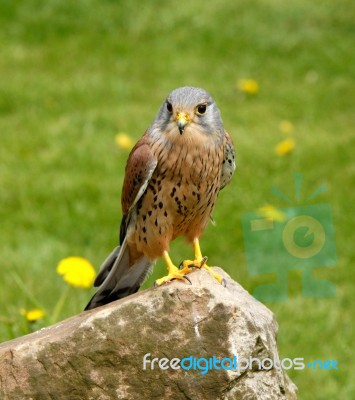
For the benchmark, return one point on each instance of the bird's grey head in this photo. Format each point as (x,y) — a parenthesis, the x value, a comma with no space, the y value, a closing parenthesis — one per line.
(189,110)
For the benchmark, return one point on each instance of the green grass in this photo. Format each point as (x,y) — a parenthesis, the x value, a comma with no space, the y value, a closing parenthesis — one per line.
(73,74)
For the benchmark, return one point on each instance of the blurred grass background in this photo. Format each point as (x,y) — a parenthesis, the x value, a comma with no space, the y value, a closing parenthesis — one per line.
(74,74)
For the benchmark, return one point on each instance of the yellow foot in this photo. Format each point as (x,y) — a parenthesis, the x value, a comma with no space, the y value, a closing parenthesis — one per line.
(200,262)
(173,272)
(187,265)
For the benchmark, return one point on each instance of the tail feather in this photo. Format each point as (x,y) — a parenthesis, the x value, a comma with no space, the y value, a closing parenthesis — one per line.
(118,278)
(106,266)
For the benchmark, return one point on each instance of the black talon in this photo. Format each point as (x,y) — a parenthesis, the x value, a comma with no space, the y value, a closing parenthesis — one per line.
(203,261)
(188,279)
(181,266)
(224,282)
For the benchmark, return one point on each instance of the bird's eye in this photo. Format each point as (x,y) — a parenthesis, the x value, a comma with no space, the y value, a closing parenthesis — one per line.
(201,109)
(169,107)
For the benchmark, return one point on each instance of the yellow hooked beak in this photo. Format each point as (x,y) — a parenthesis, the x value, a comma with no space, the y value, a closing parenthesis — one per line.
(182,120)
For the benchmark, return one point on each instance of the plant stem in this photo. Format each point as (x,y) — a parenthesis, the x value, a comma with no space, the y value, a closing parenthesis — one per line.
(60,303)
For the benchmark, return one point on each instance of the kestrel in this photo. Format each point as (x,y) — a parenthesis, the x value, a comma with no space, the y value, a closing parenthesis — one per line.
(172,179)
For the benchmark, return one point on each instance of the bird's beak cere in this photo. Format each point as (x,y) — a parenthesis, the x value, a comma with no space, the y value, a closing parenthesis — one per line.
(182,120)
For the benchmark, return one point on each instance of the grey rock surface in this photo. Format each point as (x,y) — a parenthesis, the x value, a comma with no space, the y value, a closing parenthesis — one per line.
(99,354)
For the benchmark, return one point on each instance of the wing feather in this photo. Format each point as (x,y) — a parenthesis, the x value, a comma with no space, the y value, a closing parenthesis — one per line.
(228,167)
(140,166)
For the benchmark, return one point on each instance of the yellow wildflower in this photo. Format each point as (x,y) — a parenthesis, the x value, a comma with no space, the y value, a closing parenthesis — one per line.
(285,147)
(123,141)
(248,86)
(77,271)
(33,315)
(271,212)
(286,126)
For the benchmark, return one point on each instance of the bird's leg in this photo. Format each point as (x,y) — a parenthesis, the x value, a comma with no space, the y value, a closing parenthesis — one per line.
(173,272)
(199,262)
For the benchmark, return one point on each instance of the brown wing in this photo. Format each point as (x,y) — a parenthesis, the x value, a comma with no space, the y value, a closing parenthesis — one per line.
(140,166)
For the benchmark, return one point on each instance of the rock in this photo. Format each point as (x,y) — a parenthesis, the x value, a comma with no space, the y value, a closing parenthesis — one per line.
(99,354)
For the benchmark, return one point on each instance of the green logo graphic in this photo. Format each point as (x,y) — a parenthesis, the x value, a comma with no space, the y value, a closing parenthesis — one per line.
(293,238)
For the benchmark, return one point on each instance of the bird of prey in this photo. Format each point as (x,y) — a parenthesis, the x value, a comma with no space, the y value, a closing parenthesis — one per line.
(172,179)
